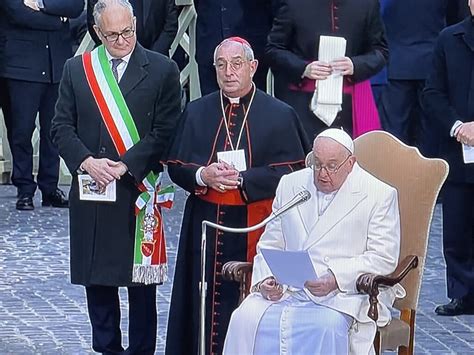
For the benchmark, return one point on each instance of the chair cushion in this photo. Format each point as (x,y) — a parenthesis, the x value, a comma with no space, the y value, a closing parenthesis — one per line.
(394,334)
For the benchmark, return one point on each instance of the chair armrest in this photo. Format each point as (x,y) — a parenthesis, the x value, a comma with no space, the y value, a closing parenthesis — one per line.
(239,271)
(236,270)
(369,283)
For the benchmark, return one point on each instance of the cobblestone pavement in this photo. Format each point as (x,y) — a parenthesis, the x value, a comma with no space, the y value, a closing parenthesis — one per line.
(42,313)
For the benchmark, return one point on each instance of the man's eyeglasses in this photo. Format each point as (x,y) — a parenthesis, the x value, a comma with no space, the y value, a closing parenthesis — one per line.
(113,37)
(331,168)
(235,64)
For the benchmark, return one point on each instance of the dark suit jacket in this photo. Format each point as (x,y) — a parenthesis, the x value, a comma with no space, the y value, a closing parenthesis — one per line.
(102,233)
(412,29)
(293,41)
(449,92)
(156,25)
(37,42)
(220,19)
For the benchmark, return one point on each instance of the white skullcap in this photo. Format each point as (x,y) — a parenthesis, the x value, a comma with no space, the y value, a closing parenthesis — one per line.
(339,136)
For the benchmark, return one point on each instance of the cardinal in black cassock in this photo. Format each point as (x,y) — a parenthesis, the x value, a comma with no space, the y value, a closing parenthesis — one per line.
(273,143)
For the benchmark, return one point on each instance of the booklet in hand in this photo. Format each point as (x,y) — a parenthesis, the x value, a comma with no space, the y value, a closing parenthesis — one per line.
(292,268)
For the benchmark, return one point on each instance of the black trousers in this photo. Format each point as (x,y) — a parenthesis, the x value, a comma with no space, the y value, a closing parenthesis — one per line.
(402,115)
(5,106)
(27,99)
(458,238)
(103,305)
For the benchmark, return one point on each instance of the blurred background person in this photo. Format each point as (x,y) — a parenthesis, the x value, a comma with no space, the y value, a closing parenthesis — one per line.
(38,42)
(4,97)
(412,28)
(448,100)
(219,19)
(292,52)
(157,23)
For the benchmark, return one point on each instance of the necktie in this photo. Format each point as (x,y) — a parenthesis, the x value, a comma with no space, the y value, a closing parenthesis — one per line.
(115,64)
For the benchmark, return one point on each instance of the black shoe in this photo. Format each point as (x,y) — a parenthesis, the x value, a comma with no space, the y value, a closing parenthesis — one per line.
(25,203)
(57,198)
(456,307)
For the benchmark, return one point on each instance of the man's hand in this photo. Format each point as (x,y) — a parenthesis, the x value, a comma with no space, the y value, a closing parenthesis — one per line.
(271,290)
(104,170)
(465,134)
(322,286)
(220,177)
(32,4)
(342,65)
(317,70)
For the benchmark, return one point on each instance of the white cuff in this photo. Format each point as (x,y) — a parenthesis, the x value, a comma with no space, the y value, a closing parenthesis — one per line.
(198,177)
(455,126)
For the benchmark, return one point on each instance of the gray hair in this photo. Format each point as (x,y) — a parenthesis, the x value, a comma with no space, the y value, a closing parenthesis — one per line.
(101,5)
(248,51)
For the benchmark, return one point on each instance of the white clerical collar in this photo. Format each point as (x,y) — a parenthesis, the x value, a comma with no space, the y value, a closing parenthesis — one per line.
(324,200)
(233,100)
(236,100)
(126,59)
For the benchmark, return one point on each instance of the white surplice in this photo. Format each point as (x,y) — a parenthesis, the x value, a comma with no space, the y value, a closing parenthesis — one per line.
(358,233)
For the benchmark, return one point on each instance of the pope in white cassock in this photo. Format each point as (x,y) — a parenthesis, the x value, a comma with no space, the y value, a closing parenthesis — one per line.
(350,226)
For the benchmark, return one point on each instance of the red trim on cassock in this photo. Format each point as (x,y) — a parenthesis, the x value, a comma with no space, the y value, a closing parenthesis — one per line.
(256,212)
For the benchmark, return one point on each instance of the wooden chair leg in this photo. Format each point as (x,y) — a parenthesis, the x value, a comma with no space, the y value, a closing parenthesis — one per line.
(408,316)
(377,343)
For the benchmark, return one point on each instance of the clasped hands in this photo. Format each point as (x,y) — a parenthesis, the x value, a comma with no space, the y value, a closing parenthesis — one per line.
(104,170)
(318,70)
(465,134)
(220,176)
(273,291)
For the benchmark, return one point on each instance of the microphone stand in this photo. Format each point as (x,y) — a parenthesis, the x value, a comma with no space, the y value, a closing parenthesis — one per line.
(301,197)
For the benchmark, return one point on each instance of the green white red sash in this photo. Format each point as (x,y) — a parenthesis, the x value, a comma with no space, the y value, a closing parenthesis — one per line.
(149,264)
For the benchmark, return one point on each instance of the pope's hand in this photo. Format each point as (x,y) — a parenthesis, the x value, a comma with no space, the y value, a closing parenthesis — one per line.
(322,286)
(271,290)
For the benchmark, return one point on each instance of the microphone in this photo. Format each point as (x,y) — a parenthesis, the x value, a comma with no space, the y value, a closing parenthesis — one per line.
(299,198)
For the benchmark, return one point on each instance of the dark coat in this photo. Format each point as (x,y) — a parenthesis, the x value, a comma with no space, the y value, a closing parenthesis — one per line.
(266,163)
(38,43)
(102,234)
(449,92)
(157,24)
(412,28)
(220,19)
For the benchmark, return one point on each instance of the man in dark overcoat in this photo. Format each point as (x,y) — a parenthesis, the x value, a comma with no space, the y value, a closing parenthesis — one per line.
(102,234)
(157,23)
(448,99)
(38,42)
(412,28)
(293,45)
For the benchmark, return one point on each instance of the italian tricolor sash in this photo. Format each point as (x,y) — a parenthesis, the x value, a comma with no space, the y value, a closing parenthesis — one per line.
(149,265)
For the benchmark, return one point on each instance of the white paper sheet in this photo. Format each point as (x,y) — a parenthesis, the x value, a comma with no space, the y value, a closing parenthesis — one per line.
(236,158)
(468,154)
(292,268)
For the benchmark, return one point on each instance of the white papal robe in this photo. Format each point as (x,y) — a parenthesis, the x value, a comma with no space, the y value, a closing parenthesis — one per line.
(359,232)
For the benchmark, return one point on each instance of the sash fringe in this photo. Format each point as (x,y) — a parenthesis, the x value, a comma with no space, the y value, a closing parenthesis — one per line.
(150,274)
